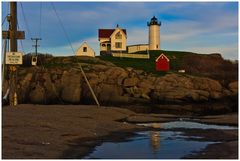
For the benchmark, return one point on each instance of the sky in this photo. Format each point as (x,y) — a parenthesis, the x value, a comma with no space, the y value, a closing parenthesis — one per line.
(202,27)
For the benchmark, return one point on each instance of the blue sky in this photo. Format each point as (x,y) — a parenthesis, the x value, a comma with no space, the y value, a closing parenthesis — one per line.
(201,27)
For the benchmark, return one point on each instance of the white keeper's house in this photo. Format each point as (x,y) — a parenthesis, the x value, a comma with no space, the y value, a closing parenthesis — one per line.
(112,40)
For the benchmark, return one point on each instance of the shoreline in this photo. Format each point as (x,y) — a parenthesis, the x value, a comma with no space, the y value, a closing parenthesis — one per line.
(59,131)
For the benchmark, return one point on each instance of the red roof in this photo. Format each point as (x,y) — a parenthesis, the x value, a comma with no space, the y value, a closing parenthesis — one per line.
(162,63)
(106,33)
(162,56)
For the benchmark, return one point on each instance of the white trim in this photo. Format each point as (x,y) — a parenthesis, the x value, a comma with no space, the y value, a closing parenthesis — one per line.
(163,56)
(115,32)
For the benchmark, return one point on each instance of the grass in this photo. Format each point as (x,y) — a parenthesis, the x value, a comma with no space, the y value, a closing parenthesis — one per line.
(148,65)
(68,62)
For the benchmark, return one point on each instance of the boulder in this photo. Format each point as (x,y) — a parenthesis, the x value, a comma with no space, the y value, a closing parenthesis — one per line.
(99,67)
(173,87)
(215,95)
(109,94)
(233,86)
(180,95)
(152,79)
(71,87)
(145,96)
(102,77)
(130,82)
(115,75)
(139,72)
(206,84)
(52,95)
(37,95)
(91,75)
(24,88)
(146,84)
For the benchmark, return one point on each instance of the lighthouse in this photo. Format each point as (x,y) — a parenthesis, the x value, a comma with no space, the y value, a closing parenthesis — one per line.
(154,34)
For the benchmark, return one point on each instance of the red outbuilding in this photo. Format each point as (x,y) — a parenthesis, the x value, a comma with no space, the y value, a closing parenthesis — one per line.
(162,63)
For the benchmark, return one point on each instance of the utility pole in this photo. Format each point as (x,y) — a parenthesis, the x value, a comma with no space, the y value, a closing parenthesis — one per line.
(13,48)
(36,44)
(13,35)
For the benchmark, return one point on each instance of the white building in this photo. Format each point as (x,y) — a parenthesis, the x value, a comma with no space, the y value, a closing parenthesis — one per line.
(153,38)
(137,47)
(154,34)
(112,40)
(85,50)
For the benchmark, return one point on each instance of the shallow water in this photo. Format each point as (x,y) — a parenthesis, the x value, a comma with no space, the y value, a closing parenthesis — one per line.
(165,144)
(187,125)
(149,145)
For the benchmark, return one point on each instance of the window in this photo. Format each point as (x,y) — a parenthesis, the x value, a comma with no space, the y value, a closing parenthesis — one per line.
(157,46)
(84,49)
(118,35)
(103,45)
(118,45)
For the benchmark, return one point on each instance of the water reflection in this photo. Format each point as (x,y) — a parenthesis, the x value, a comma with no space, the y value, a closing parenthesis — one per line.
(159,144)
(149,145)
(155,140)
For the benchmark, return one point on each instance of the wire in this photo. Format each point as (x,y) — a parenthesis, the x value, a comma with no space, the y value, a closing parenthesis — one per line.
(4,20)
(7,14)
(25,20)
(20,39)
(40,21)
(62,27)
(17,27)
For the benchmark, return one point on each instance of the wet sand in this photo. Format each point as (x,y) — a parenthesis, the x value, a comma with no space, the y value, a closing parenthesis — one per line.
(72,131)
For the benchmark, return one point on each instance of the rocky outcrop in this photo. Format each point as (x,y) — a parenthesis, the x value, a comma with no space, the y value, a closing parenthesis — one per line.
(24,87)
(233,86)
(71,86)
(37,95)
(118,86)
(180,88)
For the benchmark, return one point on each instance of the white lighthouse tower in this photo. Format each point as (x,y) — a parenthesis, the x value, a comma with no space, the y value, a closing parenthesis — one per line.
(154,34)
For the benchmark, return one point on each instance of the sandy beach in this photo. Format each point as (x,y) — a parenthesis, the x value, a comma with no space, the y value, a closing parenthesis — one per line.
(72,131)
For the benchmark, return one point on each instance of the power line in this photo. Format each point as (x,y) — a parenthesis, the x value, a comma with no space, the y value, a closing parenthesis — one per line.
(20,39)
(25,20)
(4,20)
(36,44)
(80,67)
(40,21)
(7,14)
(62,27)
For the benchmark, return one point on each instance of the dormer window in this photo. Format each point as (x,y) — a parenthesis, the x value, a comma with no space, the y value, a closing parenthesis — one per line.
(118,35)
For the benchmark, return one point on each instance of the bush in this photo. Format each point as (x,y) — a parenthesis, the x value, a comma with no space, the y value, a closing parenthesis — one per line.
(41,59)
